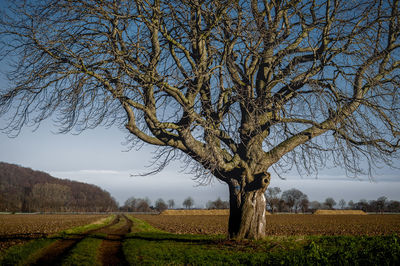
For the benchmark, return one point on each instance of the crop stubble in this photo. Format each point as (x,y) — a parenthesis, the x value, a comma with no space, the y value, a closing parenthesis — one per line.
(284,224)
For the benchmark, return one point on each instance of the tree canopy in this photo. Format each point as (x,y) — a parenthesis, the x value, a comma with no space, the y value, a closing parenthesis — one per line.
(238,88)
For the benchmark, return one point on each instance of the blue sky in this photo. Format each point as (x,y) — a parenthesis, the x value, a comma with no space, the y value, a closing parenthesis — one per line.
(99,157)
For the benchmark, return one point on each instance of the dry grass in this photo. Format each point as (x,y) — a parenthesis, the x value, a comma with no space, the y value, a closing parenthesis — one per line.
(339,212)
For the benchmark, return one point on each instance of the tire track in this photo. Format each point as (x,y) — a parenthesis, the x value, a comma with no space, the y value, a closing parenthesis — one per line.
(56,252)
(110,252)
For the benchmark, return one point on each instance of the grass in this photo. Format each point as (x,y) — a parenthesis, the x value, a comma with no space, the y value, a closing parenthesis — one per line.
(21,254)
(183,250)
(88,227)
(146,245)
(154,247)
(28,252)
(84,253)
(142,226)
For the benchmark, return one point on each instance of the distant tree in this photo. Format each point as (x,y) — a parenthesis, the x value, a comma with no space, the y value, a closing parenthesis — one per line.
(218,204)
(315,205)
(342,203)
(188,202)
(143,205)
(133,204)
(130,204)
(393,206)
(272,198)
(304,204)
(329,203)
(282,206)
(50,197)
(293,198)
(161,205)
(381,203)
(362,205)
(23,189)
(171,203)
(352,205)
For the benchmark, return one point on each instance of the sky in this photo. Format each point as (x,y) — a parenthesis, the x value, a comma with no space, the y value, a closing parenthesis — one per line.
(99,157)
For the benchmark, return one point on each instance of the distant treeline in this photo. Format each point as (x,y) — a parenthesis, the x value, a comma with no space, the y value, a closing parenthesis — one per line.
(294,200)
(25,190)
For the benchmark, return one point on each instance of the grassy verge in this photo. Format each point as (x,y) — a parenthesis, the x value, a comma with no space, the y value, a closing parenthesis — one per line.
(22,254)
(310,251)
(88,227)
(142,226)
(151,246)
(84,253)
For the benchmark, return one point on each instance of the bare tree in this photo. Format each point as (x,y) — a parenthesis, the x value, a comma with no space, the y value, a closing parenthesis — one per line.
(133,204)
(342,203)
(314,205)
(294,198)
(161,205)
(381,203)
(304,203)
(393,206)
(171,203)
(239,88)
(218,204)
(329,203)
(272,197)
(188,202)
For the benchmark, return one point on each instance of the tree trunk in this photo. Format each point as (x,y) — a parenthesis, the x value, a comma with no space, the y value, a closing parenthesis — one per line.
(247,214)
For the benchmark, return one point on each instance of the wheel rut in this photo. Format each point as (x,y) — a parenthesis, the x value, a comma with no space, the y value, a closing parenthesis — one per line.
(110,250)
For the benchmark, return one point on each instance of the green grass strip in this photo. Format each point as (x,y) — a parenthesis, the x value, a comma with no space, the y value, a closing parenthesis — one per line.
(21,254)
(151,247)
(87,227)
(142,226)
(84,253)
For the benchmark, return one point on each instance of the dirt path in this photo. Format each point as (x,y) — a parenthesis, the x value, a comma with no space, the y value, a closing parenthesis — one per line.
(111,247)
(110,251)
(53,254)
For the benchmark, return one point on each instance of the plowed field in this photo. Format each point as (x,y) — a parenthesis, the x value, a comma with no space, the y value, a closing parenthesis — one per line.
(18,228)
(284,224)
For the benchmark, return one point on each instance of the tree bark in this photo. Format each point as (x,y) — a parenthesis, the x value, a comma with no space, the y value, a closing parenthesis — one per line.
(247,213)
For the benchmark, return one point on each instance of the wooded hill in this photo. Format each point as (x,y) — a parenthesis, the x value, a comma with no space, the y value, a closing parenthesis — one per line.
(25,190)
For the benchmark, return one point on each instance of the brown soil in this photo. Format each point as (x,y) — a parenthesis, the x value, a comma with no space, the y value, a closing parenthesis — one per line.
(17,229)
(110,251)
(53,254)
(111,247)
(31,224)
(283,224)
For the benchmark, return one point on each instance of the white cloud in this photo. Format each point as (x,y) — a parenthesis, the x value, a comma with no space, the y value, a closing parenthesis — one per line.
(100,172)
